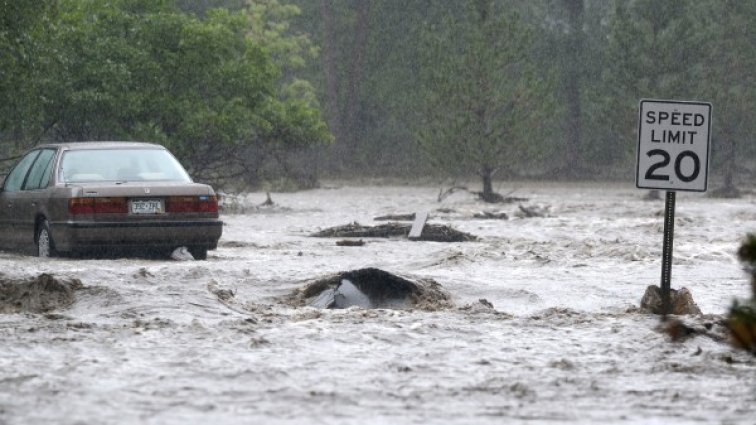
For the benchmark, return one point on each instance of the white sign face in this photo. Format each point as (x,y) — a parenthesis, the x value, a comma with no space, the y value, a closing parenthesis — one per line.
(673,145)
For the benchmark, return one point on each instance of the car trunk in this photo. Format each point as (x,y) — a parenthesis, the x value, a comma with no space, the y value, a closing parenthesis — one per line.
(140,201)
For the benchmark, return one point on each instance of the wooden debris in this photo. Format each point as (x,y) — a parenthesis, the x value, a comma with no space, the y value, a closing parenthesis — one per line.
(349,242)
(491,215)
(443,194)
(491,198)
(396,217)
(431,232)
(513,199)
(418,225)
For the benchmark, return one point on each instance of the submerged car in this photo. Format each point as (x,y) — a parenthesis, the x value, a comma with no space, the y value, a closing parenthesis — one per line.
(94,196)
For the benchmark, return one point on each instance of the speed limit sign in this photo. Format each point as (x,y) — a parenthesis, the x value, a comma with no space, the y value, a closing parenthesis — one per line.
(673,145)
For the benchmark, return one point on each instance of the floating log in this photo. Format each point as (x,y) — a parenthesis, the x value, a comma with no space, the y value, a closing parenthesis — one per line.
(348,242)
(396,217)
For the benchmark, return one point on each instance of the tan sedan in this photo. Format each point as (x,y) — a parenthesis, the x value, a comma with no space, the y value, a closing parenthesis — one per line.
(63,198)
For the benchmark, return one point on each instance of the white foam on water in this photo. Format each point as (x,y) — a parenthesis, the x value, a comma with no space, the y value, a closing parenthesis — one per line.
(153,342)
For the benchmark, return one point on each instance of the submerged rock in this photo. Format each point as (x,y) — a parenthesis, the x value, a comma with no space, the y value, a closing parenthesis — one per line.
(371,288)
(41,294)
(681,301)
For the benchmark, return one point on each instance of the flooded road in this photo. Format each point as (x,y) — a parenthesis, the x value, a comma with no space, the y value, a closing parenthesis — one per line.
(542,327)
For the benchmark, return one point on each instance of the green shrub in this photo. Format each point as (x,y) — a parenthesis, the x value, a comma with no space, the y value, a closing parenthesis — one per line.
(741,320)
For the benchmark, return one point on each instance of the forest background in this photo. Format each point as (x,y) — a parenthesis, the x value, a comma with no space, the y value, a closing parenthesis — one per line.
(282,93)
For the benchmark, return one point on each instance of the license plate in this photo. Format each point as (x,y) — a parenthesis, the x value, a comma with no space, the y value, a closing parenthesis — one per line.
(147,206)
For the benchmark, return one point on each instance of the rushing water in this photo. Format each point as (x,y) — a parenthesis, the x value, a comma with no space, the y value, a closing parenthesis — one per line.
(167,342)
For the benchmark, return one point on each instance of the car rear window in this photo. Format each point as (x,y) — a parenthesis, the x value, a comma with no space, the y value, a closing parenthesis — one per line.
(112,165)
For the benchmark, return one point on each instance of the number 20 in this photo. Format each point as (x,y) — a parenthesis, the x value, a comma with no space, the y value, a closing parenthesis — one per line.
(678,165)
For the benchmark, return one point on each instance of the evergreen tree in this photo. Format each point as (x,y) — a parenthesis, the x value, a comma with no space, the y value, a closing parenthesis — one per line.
(484,100)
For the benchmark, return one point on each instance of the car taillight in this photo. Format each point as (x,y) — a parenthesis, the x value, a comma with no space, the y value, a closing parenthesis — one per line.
(184,204)
(81,206)
(97,206)
(208,204)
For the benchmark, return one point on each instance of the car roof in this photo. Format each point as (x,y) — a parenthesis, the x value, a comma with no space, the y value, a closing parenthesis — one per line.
(101,145)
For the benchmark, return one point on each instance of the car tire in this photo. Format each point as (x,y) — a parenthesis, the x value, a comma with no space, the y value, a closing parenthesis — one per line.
(198,252)
(45,244)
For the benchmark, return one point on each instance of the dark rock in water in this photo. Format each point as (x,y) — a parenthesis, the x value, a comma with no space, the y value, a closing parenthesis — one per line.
(681,301)
(37,295)
(372,288)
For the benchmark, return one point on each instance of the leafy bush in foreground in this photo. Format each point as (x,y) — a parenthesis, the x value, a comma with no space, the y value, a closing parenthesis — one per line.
(742,317)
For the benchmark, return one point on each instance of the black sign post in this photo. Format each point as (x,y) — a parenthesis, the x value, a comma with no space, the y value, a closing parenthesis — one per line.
(669,236)
(673,155)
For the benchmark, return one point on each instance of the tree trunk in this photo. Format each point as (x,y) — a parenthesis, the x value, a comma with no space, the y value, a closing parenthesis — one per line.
(573,85)
(488,194)
(487,184)
(356,77)
(331,70)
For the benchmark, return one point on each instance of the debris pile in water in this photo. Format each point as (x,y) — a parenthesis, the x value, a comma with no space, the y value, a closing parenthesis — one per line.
(40,294)
(431,232)
(372,288)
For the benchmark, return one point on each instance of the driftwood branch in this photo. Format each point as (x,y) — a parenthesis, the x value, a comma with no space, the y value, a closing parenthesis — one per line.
(431,232)
(443,194)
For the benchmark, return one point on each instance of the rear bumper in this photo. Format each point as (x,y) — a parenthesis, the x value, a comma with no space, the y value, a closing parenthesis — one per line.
(75,235)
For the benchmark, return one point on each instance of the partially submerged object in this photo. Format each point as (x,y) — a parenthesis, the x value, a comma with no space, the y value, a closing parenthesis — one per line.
(182,254)
(396,217)
(350,242)
(372,288)
(430,232)
(39,294)
(489,215)
(681,301)
(416,231)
